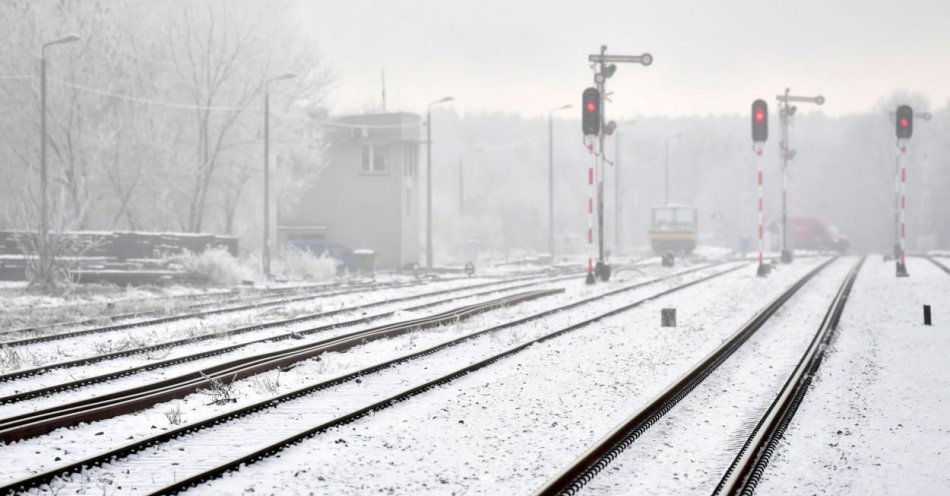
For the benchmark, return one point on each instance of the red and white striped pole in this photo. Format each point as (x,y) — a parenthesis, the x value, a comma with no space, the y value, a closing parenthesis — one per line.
(902,220)
(763,269)
(761,209)
(590,215)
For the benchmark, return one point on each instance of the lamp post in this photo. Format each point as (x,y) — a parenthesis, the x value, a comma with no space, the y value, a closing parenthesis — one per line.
(45,261)
(429,179)
(551,177)
(666,168)
(265,250)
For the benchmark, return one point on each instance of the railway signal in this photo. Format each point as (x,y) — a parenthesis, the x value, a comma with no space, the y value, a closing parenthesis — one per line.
(904,122)
(760,133)
(786,111)
(760,121)
(904,126)
(590,112)
(604,66)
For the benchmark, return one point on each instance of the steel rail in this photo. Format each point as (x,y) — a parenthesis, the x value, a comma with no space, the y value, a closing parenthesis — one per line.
(98,379)
(134,399)
(939,265)
(132,448)
(20,374)
(746,470)
(403,396)
(572,478)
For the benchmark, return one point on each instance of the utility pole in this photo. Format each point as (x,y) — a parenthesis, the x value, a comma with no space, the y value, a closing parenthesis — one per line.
(604,67)
(46,262)
(551,178)
(429,179)
(786,112)
(265,249)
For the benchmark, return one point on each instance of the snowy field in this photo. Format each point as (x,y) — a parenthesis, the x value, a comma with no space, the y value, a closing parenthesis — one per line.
(876,416)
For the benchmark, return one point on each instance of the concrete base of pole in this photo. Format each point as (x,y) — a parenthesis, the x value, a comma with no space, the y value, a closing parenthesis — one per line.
(602,270)
(590,278)
(787,256)
(902,269)
(763,270)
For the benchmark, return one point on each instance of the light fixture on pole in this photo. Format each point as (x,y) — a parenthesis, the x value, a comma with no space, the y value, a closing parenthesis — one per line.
(429,179)
(265,249)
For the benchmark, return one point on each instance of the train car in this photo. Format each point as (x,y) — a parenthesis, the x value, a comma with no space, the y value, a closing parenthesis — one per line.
(816,233)
(674,228)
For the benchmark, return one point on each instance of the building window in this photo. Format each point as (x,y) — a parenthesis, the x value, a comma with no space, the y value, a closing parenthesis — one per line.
(374,160)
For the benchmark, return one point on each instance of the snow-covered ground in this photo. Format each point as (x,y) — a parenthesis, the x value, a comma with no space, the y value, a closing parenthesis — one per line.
(691,447)
(877,417)
(506,428)
(36,354)
(67,445)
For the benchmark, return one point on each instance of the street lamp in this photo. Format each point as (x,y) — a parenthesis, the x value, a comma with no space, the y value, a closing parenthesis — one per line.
(462,179)
(45,262)
(429,179)
(666,167)
(265,250)
(551,177)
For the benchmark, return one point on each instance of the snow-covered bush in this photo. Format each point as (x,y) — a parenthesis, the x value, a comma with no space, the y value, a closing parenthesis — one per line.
(217,266)
(300,264)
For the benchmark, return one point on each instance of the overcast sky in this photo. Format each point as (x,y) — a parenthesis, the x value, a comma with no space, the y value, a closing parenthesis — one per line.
(527,56)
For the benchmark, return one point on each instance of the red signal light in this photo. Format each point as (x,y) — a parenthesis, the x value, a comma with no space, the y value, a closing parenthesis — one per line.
(904,122)
(759,116)
(591,106)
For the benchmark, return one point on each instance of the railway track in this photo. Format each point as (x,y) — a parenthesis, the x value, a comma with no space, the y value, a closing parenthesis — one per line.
(939,265)
(572,478)
(271,403)
(185,316)
(213,298)
(128,401)
(21,374)
(101,378)
(746,470)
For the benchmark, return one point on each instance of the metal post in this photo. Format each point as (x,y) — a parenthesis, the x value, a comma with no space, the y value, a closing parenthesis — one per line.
(551,184)
(786,255)
(601,86)
(265,249)
(44,207)
(902,161)
(429,188)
